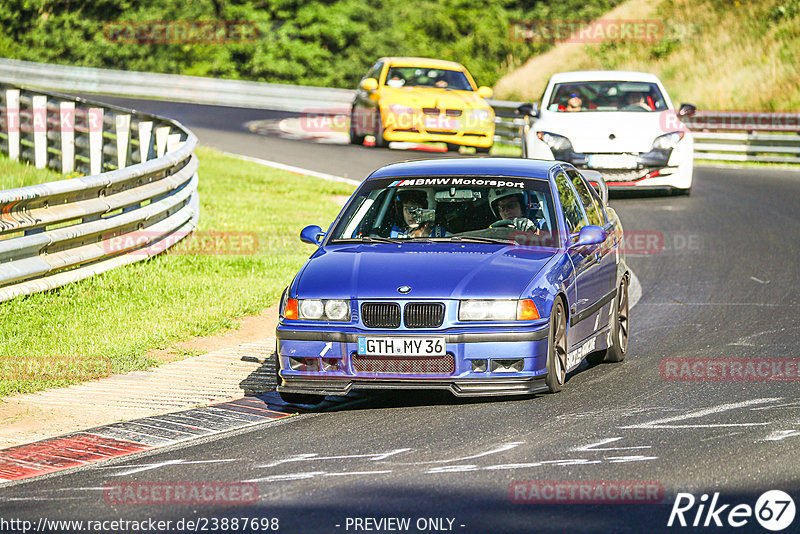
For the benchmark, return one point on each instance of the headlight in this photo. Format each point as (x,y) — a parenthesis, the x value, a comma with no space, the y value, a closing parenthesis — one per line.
(399,109)
(322,310)
(480,115)
(667,141)
(556,142)
(497,310)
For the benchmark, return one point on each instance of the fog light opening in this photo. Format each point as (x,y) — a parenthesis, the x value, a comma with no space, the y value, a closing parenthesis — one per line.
(479,366)
(330,364)
(508,366)
(304,364)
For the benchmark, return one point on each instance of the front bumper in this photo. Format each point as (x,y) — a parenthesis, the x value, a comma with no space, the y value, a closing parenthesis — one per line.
(324,362)
(414,129)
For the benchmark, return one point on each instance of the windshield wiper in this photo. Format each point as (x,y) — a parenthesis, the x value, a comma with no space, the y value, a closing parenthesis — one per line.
(477,239)
(367,239)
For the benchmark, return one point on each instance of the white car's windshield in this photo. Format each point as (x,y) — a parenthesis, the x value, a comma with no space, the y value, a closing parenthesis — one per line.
(426,77)
(606,96)
(451,209)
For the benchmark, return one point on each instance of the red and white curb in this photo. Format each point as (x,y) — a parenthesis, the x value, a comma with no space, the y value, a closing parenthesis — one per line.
(122,439)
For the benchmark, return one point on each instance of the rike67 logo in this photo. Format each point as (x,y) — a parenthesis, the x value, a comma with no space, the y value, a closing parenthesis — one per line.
(774,510)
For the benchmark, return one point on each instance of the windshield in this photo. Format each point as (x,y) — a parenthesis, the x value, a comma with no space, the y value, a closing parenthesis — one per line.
(502,210)
(423,77)
(606,96)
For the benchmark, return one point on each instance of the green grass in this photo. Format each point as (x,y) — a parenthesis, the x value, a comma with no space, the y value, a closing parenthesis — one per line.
(19,174)
(108,323)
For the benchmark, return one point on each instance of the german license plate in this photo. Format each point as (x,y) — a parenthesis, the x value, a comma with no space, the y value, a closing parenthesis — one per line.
(401,346)
(612,161)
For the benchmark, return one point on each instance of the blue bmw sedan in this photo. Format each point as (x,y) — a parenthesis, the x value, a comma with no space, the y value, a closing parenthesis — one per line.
(481,276)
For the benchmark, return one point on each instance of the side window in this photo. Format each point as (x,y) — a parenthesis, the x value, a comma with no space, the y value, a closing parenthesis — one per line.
(573,214)
(375,71)
(588,201)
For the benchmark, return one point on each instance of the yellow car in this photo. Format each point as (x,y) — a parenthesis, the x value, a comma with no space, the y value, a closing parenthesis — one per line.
(419,99)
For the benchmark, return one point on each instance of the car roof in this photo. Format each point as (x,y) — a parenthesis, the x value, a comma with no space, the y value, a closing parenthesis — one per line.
(423,62)
(519,167)
(603,75)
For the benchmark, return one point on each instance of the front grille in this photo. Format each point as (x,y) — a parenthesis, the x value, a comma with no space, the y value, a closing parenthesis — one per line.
(453,112)
(430,111)
(623,175)
(441,132)
(435,365)
(423,315)
(381,314)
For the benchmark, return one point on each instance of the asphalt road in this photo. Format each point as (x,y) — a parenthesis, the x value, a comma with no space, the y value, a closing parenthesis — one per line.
(720,278)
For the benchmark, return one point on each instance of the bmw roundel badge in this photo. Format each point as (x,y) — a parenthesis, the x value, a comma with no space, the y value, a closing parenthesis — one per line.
(404,289)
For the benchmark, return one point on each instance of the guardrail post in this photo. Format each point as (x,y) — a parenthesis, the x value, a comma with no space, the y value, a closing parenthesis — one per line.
(40,131)
(161,140)
(95,141)
(145,140)
(173,142)
(67,116)
(12,123)
(123,127)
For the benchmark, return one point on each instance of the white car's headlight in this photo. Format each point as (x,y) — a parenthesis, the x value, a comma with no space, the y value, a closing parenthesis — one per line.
(554,141)
(667,141)
(324,310)
(480,115)
(497,310)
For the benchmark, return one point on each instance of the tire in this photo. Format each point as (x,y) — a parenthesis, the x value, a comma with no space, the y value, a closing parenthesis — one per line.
(557,348)
(294,398)
(452,147)
(619,326)
(380,140)
(355,139)
(482,149)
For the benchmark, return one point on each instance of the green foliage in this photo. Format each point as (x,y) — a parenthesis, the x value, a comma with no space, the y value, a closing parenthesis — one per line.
(307,42)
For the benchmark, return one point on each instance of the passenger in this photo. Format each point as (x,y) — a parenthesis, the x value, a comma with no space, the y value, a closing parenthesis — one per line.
(411,208)
(636,102)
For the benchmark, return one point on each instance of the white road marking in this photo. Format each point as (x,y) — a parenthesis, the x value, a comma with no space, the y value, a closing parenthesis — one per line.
(296,170)
(315,457)
(661,423)
(150,467)
(625,459)
(596,446)
(778,435)
(746,340)
(759,281)
(355,473)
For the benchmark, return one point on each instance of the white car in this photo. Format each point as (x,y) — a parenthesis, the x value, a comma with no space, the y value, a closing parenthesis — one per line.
(620,123)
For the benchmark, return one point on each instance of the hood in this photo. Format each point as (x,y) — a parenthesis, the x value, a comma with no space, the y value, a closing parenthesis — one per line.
(429,97)
(440,270)
(589,131)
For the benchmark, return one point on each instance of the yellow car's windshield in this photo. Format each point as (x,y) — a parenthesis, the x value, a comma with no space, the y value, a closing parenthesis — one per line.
(427,77)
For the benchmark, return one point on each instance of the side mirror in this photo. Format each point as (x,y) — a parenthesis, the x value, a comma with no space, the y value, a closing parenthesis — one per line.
(529,109)
(686,110)
(590,235)
(485,92)
(369,84)
(312,235)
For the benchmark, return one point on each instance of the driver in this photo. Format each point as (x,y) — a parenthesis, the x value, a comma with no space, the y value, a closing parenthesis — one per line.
(411,208)
(510,206)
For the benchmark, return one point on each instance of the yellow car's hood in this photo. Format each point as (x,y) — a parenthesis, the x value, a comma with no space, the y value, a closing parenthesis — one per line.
(430,97)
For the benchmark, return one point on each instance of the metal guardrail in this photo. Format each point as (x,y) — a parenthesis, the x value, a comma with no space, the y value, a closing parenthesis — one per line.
(724,136)
(139,198)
